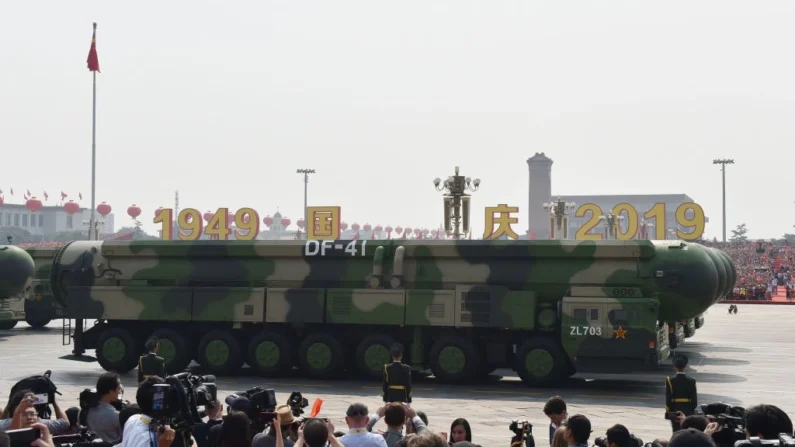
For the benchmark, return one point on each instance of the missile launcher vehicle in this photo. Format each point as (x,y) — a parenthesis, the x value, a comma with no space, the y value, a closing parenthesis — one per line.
(547,309)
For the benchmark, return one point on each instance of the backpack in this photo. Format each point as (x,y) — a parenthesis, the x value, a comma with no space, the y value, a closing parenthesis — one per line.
(39,385)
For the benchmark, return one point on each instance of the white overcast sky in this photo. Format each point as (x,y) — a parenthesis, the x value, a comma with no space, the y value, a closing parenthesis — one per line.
(225,100)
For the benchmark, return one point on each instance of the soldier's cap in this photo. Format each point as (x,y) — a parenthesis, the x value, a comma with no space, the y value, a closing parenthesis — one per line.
(690,437)
(396,350)
(151,342)
(357,410)
(238,403)
(680,360)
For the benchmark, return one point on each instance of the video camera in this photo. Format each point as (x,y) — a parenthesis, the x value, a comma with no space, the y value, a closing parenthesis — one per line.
(175,403)
(522,434)
(731,420)
(44,390)
(84,438)
(262,406)
(784,440)
(297,403)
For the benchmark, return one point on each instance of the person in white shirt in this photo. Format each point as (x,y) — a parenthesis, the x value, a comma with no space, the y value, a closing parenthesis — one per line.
(357,417)
(138,430)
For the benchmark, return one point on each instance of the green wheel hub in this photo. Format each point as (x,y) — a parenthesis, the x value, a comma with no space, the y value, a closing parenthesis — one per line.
(318,356)
(539,363)
(452,359)
(217,352)
(267,354)
(167,350)
(114,349)
(375,357)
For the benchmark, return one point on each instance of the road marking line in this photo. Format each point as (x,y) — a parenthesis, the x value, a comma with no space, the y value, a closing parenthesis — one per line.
(606,396)
(378,388)
(506,392)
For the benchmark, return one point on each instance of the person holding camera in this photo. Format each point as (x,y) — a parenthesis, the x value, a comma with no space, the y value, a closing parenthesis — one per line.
(151,365)
(103,419)
(619,436)
(138,430)
(761,421)
(317,432)
(280,427)
(23,401)
(681,395)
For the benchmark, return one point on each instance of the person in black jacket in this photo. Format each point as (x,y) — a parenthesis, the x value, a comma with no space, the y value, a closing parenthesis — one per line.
(151,365)
(680,393)
(397,378)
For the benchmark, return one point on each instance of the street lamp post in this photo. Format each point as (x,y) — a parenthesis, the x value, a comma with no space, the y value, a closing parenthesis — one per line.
(611,221)
(558,218)
(456,202)
(306,173)
(644,230)
(93,233)
(723,162)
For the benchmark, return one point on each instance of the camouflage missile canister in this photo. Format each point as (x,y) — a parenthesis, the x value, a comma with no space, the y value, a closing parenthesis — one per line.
(462,308)
(16,271)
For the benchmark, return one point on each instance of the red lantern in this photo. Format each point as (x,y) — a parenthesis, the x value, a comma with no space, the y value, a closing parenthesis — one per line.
(425,231)
(367,227)
(267,220)
(399,230)
(230,218)
(33,204)
(104,209)
(71,207)
(344,226)
(388,228)
(408,231)
(379,228)
(434,233)
(355,227)
(208,215)
(300,223)
(285,222)
(134,211)
(417,232)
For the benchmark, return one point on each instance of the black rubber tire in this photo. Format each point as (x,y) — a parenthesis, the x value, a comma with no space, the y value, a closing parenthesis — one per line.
(183,354)
(335,367)
(7,325)
(284,364)
(361,363)
(232,363)
(130,359)
(560,368)
(472,359)
(37,323)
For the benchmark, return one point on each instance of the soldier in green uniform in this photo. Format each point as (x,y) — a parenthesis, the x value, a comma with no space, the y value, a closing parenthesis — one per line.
(151,364)
(397,378)
(680,392)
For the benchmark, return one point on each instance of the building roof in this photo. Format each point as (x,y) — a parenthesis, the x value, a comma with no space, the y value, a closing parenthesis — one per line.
(538,158)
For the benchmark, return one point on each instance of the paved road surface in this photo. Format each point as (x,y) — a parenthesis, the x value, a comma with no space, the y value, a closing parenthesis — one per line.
(739,359)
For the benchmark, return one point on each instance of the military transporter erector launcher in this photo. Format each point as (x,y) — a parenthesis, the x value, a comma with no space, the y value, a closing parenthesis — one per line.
(547,309)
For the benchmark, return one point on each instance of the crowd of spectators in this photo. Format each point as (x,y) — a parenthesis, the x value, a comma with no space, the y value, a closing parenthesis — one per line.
(136,425)
(762,268)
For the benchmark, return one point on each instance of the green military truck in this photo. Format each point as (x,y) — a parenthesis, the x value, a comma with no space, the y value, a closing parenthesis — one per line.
(16,279)
(547,309)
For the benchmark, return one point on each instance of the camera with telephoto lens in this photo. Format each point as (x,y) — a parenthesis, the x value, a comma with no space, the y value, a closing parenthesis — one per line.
(84,438)
(522,434)
(784,440)
(297,403)
(730,419)
(175,403)
(262,406)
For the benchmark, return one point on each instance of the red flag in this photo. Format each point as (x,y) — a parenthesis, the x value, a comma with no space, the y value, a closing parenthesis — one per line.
(29,194)
(12,191)
(80,195)
(93,59)
(63,195)
(316,407)
(46,196)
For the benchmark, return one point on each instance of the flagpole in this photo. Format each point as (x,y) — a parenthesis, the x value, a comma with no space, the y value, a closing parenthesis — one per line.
(92,223)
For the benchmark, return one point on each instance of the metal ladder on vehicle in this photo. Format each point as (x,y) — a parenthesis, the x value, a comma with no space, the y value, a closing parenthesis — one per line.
(66,331)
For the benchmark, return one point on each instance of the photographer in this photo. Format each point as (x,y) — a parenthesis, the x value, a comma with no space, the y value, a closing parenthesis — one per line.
(315,432)
(281,427)
(138,431)
(201,432)
(18,405)
(761,421)
(578,431)
(103,419)
(619,436)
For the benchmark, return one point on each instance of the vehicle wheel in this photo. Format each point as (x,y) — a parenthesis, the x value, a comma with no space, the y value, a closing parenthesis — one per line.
(37,323)
(372,354)
(539,361)
(116,350)
(219,352)
(6,325)
(321,356)
(455,359)
(174,350)
(270,354)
